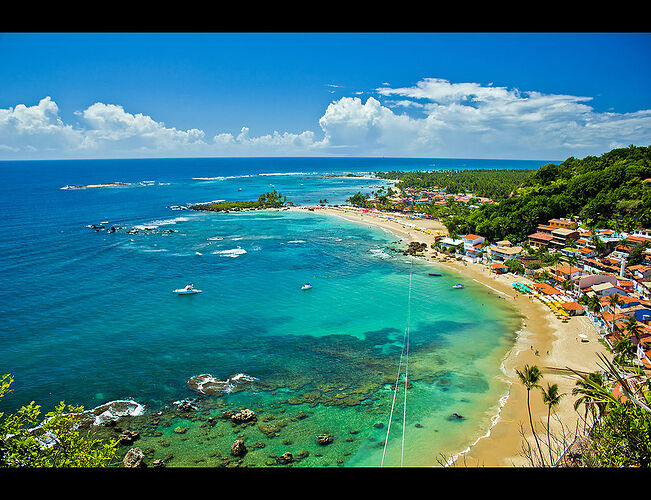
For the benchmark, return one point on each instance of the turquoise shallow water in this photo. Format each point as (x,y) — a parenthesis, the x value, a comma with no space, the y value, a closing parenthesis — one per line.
(89,317)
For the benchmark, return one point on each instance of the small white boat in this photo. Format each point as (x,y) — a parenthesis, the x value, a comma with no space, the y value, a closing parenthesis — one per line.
(458,285)
(306,286)
(188,290)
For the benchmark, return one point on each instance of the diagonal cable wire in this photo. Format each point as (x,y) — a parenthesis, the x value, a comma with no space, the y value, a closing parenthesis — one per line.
(405,338)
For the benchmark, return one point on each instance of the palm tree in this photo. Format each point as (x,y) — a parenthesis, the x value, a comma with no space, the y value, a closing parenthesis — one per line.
(594,304)
(573,261)
(603,396)
(552,399)
(555,259)
(529,378)
(588,388)
(600,246)
(613,301)
(623,351)
(634,329)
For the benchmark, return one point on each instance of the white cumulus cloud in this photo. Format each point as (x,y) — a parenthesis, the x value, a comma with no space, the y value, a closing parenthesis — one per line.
(432,118)
(472,120)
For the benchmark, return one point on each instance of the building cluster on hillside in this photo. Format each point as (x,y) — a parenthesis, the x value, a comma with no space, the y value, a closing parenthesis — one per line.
(591,266)
(587,267)
(435,195)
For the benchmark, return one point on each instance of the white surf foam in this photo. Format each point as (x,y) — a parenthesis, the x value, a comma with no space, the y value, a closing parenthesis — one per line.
(232,252)
(208,384)
(220,177)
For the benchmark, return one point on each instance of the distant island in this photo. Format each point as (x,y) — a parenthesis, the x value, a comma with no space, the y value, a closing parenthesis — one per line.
(272,199)
(82,186)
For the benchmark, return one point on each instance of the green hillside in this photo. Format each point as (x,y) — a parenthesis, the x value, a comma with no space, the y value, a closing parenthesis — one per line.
(609,191)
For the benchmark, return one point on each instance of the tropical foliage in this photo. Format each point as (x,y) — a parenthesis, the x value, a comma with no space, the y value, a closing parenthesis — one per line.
(609,191)
(272,199)
(618,431)
(56,441)
(489,183)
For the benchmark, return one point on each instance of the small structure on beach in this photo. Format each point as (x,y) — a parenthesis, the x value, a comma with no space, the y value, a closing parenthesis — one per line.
(450,242)
(546,289)
(499,268)
(573,308)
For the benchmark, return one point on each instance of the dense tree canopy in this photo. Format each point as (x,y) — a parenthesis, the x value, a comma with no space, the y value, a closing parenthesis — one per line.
(489,183)
(609,191)
(272,199)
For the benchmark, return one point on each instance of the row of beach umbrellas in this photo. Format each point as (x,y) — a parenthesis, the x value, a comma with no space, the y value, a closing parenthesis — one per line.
(553,301)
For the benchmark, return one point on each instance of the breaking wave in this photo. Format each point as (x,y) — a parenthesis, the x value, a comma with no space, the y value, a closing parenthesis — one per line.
(233,252)
(209,385)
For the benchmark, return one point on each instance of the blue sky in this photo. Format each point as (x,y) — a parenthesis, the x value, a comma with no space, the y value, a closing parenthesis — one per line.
(466,95)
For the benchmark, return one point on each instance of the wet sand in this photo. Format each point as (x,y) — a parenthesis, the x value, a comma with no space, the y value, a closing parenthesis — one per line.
(544,341)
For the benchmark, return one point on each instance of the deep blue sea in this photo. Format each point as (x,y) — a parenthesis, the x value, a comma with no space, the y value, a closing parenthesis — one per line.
(89,317)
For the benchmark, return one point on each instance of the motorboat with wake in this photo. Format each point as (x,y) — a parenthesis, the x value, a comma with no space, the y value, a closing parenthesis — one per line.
(187,290)
(306,286)
(458,285)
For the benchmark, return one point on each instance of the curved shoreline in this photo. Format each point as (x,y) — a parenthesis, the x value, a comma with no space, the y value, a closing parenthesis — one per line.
(543,341)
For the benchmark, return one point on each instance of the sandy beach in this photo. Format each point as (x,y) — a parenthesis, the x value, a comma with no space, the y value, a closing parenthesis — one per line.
(544,341)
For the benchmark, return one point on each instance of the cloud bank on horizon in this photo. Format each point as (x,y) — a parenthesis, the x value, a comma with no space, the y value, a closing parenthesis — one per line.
(433,118)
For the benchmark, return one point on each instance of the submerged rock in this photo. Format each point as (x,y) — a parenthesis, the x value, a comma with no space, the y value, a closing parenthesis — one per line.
(238,449)
(187,404)
(128,437)
(270,430)
(285,458)
(133,459)
(243,416)
(324,439)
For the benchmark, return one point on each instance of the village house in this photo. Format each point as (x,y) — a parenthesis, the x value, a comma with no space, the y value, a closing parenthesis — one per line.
(566,273)
(499,268)
(561,237)
(585,253)
(595,266)
(471,241)
(639,271)
(588,281)
(503,251)
(540,239)
(451,242)
(563,224)
(645,233)
(573,308)
(607,288)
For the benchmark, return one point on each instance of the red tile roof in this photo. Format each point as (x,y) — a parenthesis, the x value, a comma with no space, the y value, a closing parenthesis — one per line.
(572,306)
(541,236)
(546,289)
(569,270)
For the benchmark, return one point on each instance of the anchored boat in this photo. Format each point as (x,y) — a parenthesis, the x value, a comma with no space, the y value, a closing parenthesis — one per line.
(306,286)
(187,290)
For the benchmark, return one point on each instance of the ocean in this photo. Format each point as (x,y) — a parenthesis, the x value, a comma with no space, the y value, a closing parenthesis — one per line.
(89,317)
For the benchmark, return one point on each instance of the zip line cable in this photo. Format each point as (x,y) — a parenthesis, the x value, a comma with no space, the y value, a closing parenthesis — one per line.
(405,344)
(404,410)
